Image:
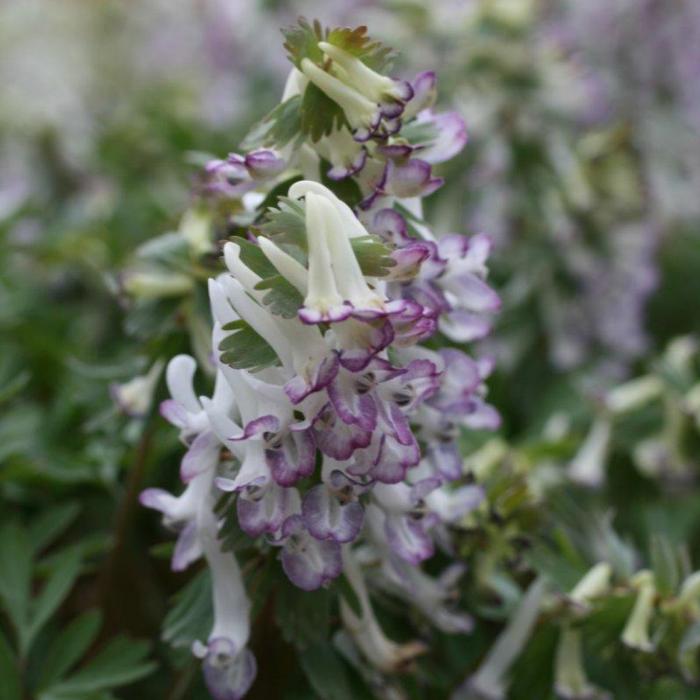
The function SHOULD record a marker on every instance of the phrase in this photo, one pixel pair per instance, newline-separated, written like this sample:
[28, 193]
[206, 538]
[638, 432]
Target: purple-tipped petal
[264, 164]
[402, 90]
[473, 293]
[392, 126]
[464, 326]
[336, 438]
[408, 538]
[308, 562]
[258, 427]
[377, 337]
[391, 226]
[445, 458]
[419, 381]
[298, 388]
[336, 314]
[264, 514]
[483, 417]
[175, 413]
[396, 151]
[328, 518]
[228, 674]
[393, 460]
[408, 261]
[187, 548]
[352, 405]
[411, 179]
[450, 138]
[202, 455]
[424, 91]
[340, 172]
[158, 499]
[453, 246]
[292, 457]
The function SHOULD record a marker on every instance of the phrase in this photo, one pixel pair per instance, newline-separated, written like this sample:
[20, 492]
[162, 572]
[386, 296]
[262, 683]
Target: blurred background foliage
[583, 164]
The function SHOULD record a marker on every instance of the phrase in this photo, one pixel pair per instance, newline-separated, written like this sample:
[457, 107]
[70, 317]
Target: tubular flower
[330, 429]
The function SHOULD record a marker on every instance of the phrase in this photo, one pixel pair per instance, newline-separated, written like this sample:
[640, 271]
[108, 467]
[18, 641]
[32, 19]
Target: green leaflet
[281, 126]
[191, 615]
[374, 257]
[283, 299]
[121, 662]
[326, 672]
[286, 224]
[245, 349]
[301, 41]
[10, 682]
[254, 258]
[320, 116]
[356, 42]
[303, 617]
[69, 646]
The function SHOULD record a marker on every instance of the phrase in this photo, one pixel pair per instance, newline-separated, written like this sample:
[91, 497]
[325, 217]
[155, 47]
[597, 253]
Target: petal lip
[200, 456]
[297, 388]
[257, 427]
[231, 678]
[326, 518]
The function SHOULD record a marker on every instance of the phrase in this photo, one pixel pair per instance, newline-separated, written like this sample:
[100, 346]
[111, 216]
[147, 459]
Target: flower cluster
[334, 429]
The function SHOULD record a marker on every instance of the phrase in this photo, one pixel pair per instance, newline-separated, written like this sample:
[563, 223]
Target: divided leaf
[374, 257]
[301, 41]
[286, 223]
[192, 614]
[121, 662]
[69, 646]
[319, 114]
[243, 348]
[356, 42]
[283, 299]
[280, 127]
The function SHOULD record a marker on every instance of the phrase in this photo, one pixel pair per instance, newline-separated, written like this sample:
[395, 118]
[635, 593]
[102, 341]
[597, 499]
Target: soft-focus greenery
[107, 110]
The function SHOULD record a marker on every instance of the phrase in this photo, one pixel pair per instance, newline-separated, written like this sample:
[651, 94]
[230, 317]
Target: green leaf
[51, 524]
[245, 349]
[10, 681]
[301, 41]
[15, 574]
[56, 588]
[283, 299]
[664, 564]
[13, 386]
[119, 663]
[278, 128]
[253, 256]
[192, 614]
[373, 255]
[320, 115]
[356, 42]
[326, 672]
[286, 223]
[303, 617]
[69, 646]
[277, 192]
